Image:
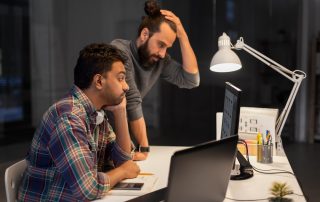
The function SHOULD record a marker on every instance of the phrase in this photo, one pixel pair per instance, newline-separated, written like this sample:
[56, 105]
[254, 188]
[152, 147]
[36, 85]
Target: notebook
[199, 173]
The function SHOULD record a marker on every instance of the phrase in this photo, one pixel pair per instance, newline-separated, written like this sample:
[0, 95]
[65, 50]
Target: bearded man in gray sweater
[149, 61]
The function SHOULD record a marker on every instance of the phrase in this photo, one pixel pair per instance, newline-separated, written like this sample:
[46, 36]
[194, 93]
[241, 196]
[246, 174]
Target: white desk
[257, 187]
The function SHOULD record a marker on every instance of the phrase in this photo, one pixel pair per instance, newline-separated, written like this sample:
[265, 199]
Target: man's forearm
[128, 169]
[122, 131]
[138, 128]
[115, 176]
[189, 60]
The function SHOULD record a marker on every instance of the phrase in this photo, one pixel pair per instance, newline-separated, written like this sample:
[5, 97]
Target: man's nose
[162, 53]
[125, 87]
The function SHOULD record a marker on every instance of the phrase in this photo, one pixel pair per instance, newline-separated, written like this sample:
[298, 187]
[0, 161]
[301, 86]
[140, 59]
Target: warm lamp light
[226, 60]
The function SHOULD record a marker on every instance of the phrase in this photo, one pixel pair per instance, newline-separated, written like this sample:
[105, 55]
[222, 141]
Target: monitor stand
[246, 170]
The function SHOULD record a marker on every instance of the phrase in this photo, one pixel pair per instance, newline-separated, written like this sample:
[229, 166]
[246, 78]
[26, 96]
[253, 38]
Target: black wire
[262, 170]
[262, 199]
[280, 172]
[271, 169]
[298, 194]
[247, 150]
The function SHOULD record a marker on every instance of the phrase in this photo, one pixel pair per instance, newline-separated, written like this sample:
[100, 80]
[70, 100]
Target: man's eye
[121, 78]
[161, 45]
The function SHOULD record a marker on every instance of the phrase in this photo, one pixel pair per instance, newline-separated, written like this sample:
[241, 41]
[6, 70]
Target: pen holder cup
[264, 153]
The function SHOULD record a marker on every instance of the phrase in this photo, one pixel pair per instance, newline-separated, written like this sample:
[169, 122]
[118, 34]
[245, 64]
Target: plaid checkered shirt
[69, 153]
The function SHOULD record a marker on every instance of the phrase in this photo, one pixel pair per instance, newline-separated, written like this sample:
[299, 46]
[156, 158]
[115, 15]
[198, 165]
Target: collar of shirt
[86, 103]
[134, 50]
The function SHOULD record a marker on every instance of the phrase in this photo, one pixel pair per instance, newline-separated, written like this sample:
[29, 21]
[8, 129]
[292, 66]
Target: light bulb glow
[225, 67]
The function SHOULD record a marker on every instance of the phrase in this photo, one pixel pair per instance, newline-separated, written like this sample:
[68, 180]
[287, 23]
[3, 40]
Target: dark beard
[144, 56]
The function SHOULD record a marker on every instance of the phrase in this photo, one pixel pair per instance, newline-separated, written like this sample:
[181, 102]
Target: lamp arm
[295, 76]
[285, 112]
[291, 75]
[280, 69]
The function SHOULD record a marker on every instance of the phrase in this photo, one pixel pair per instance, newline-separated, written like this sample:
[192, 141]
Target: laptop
[199, 173]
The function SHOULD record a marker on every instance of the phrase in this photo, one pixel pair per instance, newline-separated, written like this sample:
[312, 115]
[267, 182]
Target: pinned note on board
[253, 120]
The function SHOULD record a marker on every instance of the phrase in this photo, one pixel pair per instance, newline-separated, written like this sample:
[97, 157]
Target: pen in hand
[146, 174]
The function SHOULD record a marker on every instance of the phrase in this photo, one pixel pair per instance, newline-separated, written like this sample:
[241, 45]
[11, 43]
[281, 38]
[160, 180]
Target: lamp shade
[225, 60]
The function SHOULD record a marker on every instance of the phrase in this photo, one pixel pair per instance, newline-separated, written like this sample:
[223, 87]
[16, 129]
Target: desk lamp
[225, 60]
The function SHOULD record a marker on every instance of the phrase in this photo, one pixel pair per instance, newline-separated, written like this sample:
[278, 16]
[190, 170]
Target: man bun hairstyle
[96, 58]
[154, 18]
[152, 8]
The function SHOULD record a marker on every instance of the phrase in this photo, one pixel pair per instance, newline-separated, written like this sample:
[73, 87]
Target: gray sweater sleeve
[174, 73]
[134, 99]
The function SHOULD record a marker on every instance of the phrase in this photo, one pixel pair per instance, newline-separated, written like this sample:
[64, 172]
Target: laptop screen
[231, 111]
[201, 173]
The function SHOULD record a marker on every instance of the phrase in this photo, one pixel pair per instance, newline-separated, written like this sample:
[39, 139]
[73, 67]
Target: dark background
[40, 41]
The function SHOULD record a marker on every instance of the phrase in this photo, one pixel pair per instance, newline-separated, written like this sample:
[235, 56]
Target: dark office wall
[60, 28]
[190, 116]
[15, 99]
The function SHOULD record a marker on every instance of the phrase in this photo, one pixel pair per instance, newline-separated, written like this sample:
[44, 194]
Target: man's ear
[144, 34]
[97, 81]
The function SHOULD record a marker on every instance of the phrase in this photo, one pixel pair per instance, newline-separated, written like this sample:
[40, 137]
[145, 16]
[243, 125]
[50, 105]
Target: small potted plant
[279, 191]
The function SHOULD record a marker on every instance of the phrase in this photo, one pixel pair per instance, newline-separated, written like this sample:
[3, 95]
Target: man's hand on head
[172, 17]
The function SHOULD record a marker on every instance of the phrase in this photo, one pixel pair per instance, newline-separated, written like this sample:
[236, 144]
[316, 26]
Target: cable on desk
[271, 169]
[261, 199]
[298, 194]
[242, 141]
[279, 171]
[261, 170]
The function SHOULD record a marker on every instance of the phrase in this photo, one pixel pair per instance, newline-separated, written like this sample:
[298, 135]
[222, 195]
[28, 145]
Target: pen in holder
[264, 153]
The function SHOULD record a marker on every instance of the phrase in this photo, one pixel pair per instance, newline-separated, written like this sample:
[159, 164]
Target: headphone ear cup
[99, 117]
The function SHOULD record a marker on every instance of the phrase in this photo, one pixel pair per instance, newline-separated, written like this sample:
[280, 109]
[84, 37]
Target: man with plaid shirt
[75, 155]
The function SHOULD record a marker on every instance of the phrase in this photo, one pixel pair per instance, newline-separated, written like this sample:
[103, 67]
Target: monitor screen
[231, 111]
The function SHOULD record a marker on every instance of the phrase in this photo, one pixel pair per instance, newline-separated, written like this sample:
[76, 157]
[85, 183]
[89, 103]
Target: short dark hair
[154, 18]
[96, 58]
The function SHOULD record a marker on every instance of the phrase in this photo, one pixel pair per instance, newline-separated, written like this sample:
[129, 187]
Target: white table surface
[257, 187]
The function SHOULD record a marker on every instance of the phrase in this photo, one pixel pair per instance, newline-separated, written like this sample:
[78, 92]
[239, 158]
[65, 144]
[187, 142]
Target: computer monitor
[231, 111]
[230, 124]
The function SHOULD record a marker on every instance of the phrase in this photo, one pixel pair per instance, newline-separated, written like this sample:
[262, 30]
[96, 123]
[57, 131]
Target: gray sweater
[141, 79]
